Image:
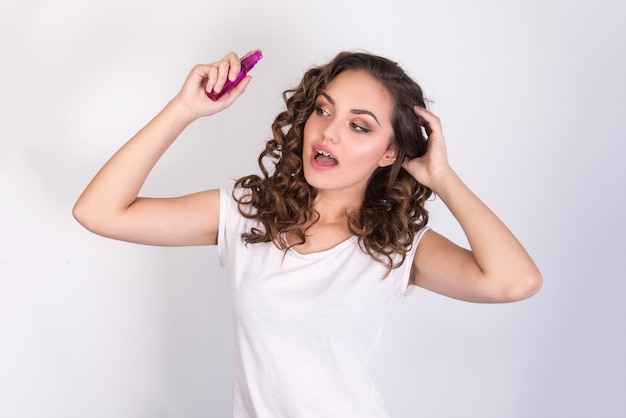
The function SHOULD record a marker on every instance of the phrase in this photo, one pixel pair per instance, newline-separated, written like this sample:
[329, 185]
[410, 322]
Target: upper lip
[323, 150]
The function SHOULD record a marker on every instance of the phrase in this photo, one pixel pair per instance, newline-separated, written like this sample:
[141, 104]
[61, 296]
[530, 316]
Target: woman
[319, 245]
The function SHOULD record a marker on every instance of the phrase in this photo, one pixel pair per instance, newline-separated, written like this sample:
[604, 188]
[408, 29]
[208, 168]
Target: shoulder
[237, 201]
[237, 215]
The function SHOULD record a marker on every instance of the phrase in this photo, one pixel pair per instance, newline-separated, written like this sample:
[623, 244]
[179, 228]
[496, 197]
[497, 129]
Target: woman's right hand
[111, 206]
[204, 78]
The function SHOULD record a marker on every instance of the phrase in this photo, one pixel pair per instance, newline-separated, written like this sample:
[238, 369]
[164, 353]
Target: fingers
[228, 98]
[430, 121]
[434, 132]
[195, 95]
[219, 72]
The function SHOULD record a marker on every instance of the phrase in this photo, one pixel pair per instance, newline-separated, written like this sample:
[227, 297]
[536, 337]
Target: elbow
[525, 286]
[97, 218]
[80, 214]
[84, 215]
[537, 283]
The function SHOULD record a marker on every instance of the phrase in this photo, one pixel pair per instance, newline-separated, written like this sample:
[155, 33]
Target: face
[348, 136]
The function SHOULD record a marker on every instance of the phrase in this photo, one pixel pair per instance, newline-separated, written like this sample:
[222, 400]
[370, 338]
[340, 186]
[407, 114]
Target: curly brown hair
[393, 210]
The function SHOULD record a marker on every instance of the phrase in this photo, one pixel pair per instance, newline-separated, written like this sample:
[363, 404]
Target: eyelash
[359, 128]
[320, 111]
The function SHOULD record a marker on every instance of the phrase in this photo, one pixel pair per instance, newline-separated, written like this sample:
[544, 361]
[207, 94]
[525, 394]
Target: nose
[331, 132]
[328, 137]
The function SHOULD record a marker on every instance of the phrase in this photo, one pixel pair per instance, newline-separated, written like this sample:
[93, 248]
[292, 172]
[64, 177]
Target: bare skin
[496, 268]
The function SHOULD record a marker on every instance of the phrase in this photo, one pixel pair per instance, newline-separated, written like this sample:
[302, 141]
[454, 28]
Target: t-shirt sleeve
[226, 203]
[406, 289]
[232, 224]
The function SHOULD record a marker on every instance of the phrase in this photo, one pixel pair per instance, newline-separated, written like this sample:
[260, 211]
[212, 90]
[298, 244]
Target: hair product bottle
[246, 65]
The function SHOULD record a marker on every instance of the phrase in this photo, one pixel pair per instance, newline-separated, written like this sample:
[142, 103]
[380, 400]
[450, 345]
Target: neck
[335, 206]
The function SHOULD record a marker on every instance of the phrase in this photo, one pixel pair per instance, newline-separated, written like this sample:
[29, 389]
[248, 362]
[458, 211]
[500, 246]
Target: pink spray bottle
[246, 65]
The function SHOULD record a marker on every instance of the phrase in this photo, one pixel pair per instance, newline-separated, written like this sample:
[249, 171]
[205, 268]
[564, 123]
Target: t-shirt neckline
[340, 246]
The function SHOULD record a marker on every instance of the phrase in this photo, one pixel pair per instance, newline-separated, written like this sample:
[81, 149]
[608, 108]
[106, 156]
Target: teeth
[322, 152]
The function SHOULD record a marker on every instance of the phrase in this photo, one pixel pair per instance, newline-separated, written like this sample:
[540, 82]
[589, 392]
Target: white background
[532, 96]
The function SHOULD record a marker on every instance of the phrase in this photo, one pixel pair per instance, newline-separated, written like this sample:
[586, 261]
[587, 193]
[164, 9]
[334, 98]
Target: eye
[320, 111]
[359, 128]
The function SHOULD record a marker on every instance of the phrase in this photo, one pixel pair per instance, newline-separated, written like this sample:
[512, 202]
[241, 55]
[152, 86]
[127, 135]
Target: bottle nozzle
[250, 61]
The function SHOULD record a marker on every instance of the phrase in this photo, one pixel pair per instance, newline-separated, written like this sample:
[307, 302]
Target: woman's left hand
[497, 268]
[433, 165]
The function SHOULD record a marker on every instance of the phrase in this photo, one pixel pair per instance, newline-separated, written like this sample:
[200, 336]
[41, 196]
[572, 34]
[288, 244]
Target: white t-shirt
[306, 325]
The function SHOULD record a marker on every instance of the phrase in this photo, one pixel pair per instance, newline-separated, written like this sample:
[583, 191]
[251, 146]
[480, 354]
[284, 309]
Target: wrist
[441, 181]
[180, 112]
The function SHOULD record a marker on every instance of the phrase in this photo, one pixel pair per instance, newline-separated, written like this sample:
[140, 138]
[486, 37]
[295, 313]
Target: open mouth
[323, 158]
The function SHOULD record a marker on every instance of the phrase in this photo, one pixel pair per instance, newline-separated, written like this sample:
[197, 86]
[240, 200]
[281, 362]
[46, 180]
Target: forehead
[359, 90]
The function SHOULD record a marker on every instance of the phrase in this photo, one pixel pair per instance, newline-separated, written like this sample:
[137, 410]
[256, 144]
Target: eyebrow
[355, 111]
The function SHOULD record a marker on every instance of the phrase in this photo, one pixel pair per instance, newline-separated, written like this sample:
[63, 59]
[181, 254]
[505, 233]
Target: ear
[389, 158]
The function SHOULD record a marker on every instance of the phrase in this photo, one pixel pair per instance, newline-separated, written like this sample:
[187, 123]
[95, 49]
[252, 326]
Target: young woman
[333, 230]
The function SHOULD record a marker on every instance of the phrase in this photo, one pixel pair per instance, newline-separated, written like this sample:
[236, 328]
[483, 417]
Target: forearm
[116, 186]
[497, 252]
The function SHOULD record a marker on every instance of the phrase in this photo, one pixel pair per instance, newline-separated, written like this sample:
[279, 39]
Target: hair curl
[393, 210]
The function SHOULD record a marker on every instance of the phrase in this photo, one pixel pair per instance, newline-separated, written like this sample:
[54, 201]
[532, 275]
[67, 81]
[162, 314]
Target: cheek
[370, 151]
[309, 128]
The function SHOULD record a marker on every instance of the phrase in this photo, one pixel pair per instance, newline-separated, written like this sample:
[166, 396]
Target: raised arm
[110, 205]
[496, 268]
